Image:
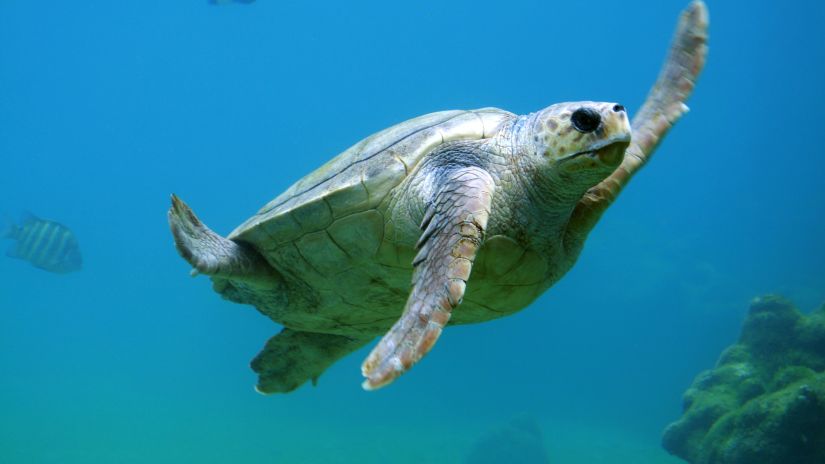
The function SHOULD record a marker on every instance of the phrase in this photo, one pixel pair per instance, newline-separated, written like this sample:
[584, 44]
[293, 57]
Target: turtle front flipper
[292, 357]
[453, 229]
[211, 254]
[664, 105]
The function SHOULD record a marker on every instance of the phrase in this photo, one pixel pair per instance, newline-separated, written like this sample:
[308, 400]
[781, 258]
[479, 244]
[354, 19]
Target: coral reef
[764, 402]
[518, 442]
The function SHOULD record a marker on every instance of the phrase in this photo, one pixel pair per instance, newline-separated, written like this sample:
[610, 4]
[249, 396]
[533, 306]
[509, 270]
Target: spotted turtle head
[581, 136]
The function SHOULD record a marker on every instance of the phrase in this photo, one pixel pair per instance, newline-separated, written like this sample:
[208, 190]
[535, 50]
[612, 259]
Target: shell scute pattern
[507, 252]
[341, 252]
[357, 180]
[351, 161]
[350, 199]
[313, 215]
[322, 253]
[290, 253]
[359, 234]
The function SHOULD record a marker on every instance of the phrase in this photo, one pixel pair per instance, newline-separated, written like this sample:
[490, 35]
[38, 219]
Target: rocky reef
[764, 402]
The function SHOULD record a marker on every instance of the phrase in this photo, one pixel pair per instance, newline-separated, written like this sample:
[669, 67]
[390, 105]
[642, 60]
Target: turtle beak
[613, 154]
[609, 152]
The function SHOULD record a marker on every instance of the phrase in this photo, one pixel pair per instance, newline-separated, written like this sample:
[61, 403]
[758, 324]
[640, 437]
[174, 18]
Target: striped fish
[47, 245]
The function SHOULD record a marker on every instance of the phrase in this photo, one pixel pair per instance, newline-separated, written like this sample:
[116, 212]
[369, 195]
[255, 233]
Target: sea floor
[565, 445]
[84, 440]
[592, 445]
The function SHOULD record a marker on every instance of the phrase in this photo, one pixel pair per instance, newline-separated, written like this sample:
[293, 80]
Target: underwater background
[108, 107]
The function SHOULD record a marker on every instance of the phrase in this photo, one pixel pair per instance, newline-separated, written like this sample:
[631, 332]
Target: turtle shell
[359, 179]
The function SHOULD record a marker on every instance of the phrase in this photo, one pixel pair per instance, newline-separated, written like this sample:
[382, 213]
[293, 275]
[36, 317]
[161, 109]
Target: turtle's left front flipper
[453, 229]
[664, 105]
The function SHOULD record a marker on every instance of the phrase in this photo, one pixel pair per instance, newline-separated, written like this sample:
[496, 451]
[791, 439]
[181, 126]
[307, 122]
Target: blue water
[108, 107]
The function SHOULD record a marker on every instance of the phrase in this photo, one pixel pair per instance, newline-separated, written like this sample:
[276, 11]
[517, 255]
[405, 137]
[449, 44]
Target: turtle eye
[585, 120]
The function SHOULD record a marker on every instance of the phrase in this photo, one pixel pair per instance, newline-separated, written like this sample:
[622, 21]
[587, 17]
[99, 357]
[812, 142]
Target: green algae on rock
[764, 402]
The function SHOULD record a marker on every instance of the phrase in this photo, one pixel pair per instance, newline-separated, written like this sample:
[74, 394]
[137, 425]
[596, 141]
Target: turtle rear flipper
[211, 254]
[292, 357]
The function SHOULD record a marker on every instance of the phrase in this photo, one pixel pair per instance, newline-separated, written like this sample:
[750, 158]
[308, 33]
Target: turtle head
[580, 136]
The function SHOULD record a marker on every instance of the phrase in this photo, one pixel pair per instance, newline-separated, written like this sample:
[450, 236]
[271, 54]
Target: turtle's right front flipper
[211, 254]
[452, 232]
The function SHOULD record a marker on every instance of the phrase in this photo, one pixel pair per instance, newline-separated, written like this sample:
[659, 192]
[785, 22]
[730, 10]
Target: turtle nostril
[585, 120]
[618, 108]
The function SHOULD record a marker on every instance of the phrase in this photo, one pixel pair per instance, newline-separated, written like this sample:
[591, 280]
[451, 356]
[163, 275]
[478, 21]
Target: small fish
[226, 2]
[47, 245]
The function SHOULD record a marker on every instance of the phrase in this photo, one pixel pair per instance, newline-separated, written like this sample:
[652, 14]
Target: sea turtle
[510, 198]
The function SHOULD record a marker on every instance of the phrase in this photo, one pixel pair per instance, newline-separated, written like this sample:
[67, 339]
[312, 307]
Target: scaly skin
[539, 184]
[213, 255]
[527, 179]
[664, 105]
